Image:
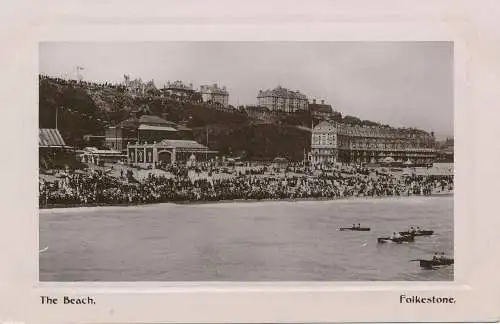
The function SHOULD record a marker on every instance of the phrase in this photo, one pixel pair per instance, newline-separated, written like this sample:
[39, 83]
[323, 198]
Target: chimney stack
[322, 102]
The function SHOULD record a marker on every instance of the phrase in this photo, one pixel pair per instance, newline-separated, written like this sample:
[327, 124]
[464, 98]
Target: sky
[403, 84]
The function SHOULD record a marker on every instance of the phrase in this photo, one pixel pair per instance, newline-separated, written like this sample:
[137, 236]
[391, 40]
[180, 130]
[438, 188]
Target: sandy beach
[63, 208]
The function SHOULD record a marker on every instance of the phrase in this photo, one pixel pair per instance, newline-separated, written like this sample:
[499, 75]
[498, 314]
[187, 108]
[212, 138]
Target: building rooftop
[150, 122]
[50, 137]
[214, 89]
[157, 128]
[189, 144]
[95, 150]
[282, 93]
[179, 85]
[366, 131]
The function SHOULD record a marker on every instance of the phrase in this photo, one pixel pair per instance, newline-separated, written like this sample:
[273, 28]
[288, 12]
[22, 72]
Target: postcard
[249, 172]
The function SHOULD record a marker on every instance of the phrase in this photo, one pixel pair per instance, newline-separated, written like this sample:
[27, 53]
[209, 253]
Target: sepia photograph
[248, 161]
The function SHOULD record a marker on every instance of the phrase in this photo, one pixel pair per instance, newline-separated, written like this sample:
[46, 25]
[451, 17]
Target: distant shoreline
[89, 207]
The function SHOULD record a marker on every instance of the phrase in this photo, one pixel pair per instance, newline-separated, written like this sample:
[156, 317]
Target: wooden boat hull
[361, 229]
[396, 240]
[420, 233]
[433, 263]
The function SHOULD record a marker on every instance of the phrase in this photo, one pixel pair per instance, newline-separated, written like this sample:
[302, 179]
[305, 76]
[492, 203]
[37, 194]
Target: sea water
[245, 241]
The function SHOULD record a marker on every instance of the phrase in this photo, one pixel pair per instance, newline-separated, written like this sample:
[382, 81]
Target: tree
[369, 123]
[351, 120]
[337, 116]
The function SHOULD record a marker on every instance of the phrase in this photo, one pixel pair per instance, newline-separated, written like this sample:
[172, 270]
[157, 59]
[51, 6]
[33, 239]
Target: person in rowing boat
[395, 235]
[412, 230]
[353, 225]
[442, 257]
[418, 230]
[435, 257]
[359, 225]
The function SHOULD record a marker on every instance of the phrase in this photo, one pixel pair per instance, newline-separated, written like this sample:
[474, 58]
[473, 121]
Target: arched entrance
[165, 156]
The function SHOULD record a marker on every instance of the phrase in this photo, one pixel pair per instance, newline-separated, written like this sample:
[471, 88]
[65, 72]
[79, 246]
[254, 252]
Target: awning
[182, 144]
[102, 152]
[49, 137]
[157, 128]
[388, 160]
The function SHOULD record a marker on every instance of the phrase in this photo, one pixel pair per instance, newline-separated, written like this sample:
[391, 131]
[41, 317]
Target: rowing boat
[428, 264]
[418, 233]
[354, 229]
[402, 239]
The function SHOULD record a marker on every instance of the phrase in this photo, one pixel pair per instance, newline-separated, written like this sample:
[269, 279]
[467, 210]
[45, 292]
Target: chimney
[322, 102]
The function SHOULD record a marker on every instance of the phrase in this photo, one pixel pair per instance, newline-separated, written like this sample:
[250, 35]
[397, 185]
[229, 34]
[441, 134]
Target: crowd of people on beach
[96, 187]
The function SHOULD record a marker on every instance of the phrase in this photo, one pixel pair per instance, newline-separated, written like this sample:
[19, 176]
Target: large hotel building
[336, 142]
[282, 100]
[179, 90]
[215, 95]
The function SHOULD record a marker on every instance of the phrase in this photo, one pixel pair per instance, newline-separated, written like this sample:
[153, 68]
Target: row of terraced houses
[334, 142]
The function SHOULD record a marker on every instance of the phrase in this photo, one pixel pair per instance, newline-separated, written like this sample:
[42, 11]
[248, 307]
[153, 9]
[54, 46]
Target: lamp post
[206, 152]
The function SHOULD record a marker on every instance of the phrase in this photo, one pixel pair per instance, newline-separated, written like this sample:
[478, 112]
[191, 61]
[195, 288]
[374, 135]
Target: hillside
[256, 142]
[88, 108]
[71, 107]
